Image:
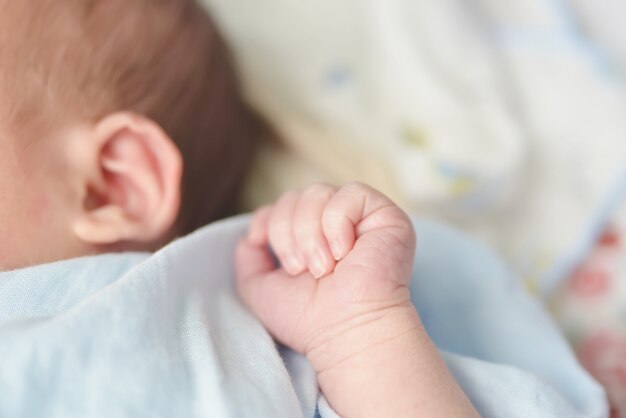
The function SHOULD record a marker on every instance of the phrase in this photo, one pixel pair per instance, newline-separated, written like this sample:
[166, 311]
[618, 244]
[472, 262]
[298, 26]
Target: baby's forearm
[388, 366]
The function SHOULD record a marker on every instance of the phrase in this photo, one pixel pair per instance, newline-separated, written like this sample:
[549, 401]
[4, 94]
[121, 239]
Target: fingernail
[317, 266]
[294, 264]
[335, 248]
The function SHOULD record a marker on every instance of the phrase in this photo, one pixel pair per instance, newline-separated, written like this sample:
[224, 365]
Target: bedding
[165, 335]
[501, 118]
[507, 119]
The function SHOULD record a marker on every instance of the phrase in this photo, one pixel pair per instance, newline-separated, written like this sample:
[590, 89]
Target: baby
[102, 101]
[121, 128]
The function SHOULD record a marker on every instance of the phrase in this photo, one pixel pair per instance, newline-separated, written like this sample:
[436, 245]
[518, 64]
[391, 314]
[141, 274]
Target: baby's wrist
[370, 332]
[388, 367]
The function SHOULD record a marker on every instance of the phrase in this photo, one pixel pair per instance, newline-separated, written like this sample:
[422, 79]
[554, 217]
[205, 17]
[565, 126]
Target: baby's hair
[79, 60]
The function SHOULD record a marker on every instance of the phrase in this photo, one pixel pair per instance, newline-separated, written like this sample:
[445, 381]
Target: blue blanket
[164, 335]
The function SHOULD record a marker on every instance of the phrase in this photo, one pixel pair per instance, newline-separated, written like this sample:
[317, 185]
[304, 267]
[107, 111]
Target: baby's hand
[340, 296]
[345, 260]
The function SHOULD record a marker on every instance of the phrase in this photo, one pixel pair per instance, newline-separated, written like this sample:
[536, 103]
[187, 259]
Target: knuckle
[355, 190]
[356, 186]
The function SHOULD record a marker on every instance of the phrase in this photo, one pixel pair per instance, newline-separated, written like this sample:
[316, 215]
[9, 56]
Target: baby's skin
[340, 296]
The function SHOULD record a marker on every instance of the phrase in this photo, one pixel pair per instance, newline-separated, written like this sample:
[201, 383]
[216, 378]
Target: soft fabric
[507, 118]
[165, 335]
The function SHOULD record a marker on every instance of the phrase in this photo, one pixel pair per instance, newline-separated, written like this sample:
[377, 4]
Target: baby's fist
[345, 258]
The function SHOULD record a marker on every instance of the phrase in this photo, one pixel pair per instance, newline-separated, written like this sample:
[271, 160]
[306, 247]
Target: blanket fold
[165, 335]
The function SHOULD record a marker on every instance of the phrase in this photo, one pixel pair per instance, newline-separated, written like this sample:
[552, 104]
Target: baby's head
[101, 102]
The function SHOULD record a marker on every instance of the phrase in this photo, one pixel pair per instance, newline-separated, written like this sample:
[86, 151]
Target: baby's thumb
[251, 262]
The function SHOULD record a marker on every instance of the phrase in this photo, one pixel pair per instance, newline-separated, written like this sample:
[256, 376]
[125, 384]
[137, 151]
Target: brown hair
[82, 59]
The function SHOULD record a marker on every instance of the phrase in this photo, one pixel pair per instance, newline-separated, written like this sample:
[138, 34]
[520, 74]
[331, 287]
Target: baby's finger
[257, 232]
[349, 206]
[252, 261]
[308, 230]
[281, 236]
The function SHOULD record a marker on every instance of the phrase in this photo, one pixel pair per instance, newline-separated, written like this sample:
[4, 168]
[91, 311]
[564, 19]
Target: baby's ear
[134, 195]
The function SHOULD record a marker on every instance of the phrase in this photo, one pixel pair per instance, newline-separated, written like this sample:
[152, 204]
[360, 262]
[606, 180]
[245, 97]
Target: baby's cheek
[28, 226]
